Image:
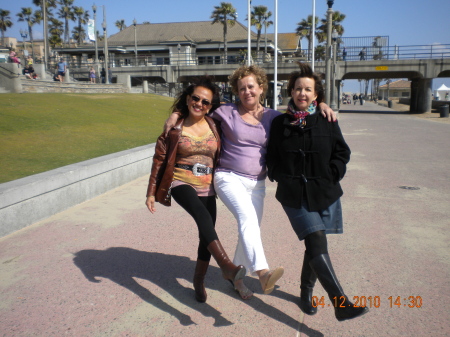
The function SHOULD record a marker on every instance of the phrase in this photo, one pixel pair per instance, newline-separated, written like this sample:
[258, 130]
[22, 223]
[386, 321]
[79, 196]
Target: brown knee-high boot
[199, 277]
[229, 270]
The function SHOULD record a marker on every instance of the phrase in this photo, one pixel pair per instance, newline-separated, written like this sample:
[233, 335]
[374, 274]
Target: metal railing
[352, 54]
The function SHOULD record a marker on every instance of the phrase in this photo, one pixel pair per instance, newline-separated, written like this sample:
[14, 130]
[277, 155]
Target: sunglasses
[197, 99]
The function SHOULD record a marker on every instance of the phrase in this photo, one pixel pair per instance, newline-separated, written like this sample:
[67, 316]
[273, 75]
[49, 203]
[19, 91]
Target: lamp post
[105, 36]
[135, 44]
[328, 52]
[45, 24]
[94, 9]
[333, 104]
[24, 35]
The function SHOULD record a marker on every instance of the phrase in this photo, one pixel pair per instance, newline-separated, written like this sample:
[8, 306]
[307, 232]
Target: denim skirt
[305, 222]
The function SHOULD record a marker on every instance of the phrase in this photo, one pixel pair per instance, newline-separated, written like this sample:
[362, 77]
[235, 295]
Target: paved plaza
[108, 267]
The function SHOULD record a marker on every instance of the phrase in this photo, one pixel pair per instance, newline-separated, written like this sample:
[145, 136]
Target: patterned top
[192, 150]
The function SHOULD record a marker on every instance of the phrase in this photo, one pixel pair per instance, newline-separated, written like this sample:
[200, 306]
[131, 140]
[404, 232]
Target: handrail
[18, 74]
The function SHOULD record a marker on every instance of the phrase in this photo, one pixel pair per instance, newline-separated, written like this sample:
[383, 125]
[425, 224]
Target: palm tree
[82, 17]
[319, 53]
[121, 24]
[27, 15]
[5, 23]
[336, 19]
[55, 29]
[226, 15]
[304, 29]
[259, 17]
[66, 12]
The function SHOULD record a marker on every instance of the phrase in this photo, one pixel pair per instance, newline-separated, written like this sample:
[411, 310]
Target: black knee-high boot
[307, 281]
[321, 264]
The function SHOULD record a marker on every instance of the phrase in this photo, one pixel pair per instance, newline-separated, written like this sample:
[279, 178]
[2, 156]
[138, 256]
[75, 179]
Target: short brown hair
[244, 71]
[306, 71]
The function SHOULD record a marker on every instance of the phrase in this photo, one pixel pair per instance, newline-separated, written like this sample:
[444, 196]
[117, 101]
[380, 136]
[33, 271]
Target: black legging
[316, 244]
[204, 211]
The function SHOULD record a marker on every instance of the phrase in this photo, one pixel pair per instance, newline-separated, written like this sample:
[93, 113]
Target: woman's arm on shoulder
[327, 112]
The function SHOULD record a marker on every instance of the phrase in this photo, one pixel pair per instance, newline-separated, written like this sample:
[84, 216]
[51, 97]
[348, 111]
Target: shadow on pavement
[121, 265]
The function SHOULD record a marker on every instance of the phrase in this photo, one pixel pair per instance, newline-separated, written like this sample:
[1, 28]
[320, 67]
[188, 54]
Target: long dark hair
[306, 71]
[205, 81]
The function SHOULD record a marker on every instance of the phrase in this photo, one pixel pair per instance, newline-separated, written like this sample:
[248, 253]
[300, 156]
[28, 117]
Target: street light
[24, 35]
[328, 52]
[105, 36]
[334, 37]
[94, 9]
[135, 43]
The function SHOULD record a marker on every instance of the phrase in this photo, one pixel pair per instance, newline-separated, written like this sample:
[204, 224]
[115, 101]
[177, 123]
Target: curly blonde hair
[244, 71]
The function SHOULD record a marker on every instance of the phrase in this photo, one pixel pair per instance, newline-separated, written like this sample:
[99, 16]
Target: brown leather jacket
[161, 175]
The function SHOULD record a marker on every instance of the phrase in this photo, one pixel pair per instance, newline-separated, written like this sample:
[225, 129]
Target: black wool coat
[308, 162]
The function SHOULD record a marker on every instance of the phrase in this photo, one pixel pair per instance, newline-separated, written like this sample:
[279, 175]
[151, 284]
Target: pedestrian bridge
[421, 72]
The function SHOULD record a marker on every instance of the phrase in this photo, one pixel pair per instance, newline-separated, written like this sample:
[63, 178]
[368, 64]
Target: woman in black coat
[307, 156]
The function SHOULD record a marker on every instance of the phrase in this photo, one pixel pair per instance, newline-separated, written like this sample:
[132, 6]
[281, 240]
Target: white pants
[245, 199]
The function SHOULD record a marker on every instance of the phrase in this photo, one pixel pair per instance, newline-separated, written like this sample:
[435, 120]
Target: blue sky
[406, 22]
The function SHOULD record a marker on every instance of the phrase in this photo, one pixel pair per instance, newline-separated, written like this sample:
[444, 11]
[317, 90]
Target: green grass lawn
[41, 132]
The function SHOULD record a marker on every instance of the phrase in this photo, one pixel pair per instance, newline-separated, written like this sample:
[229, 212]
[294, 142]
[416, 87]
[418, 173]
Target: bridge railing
[436, 51]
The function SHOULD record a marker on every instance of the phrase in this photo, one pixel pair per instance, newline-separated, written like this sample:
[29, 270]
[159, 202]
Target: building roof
[286, 41]
[400, 84]
[179, 32]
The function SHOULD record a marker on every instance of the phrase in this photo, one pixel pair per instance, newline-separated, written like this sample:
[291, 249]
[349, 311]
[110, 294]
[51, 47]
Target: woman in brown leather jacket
[183, 166]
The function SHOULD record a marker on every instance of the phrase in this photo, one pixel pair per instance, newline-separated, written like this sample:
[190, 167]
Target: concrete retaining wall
[34, 198]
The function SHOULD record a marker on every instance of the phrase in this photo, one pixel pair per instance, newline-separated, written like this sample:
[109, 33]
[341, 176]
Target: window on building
[405, 94]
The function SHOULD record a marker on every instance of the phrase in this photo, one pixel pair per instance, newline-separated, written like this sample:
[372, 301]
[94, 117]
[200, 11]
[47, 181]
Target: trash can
[443, 110]
[390, 104]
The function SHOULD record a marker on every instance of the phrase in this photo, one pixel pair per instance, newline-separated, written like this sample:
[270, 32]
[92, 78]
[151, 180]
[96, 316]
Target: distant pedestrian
[344, 54]
[110, 75]
[355, 99]
[92, 75]
[361, 99]
[362, 54]
[446, 96]
[103, 75]
[62, 68]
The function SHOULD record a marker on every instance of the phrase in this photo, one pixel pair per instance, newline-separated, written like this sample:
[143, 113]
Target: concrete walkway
[108, 267]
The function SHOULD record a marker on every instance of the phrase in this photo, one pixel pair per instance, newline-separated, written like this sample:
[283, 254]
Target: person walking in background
[362, 54]
[61, 68]
[92, 75]
[446, 96]
[344, 54]
[110, 75]
[355, 99]
[307, 157]
[361, 99]
[103, 75]
[183, 167]
[240, 176]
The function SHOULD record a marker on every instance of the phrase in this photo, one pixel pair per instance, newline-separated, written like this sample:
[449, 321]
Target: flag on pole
[91, 30]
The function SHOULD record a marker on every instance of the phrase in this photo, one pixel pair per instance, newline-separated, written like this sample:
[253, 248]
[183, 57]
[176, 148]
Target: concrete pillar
[414, 94]
[424, 98]
[420, 95]
[145, 87]
[67, 77]
[39, 69]
[124, 79]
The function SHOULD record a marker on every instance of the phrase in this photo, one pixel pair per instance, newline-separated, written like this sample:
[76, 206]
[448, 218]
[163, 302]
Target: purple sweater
[244, 145]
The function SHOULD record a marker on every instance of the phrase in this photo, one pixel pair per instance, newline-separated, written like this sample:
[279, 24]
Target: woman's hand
[170, 122]
[150, 202]
[327, 112]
